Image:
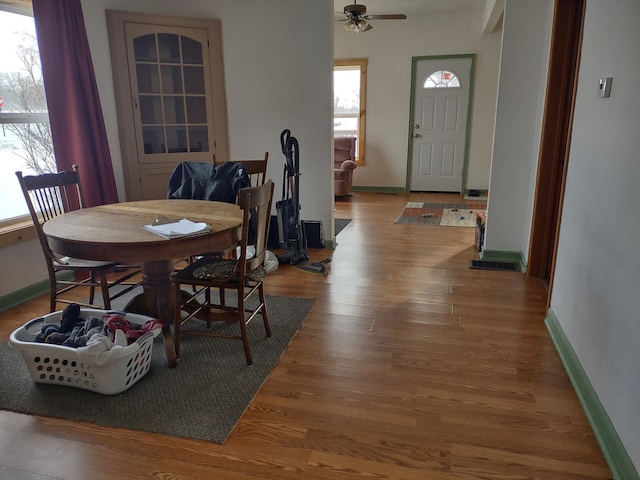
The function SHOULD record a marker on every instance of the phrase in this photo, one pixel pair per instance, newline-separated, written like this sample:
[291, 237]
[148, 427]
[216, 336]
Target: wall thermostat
[604, 87]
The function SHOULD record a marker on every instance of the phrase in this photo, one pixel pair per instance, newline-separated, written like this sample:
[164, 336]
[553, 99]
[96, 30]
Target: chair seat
[213, 269]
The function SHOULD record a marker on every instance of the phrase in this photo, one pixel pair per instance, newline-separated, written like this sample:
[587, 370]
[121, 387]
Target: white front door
[442, 87]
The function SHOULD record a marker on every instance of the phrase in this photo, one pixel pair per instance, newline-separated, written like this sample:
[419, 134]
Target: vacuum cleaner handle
[284, 140]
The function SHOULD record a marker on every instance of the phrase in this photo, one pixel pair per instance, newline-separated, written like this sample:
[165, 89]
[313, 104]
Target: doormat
[493, 265]
[445, 214]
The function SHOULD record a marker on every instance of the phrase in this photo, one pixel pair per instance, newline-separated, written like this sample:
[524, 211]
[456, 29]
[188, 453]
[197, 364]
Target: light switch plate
[604, 87]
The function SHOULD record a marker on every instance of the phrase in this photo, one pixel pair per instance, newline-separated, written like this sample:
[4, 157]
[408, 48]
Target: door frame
[555, 141]
[414, 63]
[116, 21]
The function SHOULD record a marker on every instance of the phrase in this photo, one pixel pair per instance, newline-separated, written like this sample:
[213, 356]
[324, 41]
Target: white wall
[278, 74]
[523, 77]
[389, 48]
[23, 265]
[595, 291]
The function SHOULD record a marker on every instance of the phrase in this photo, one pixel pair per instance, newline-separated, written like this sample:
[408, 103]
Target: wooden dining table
[116, 232]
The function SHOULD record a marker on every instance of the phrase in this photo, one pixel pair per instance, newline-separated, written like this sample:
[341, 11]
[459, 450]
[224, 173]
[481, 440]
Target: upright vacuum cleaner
[290, 232]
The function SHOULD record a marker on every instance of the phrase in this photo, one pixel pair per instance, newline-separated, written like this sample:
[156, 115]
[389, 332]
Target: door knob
[416, 135]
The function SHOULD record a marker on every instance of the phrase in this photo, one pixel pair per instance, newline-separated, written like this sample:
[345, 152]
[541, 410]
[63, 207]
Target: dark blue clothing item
[206, 181]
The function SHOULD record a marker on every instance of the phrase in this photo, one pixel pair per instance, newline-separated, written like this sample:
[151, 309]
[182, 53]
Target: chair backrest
[344, 148]
[255, 203]
[49, 195]
[257, 169]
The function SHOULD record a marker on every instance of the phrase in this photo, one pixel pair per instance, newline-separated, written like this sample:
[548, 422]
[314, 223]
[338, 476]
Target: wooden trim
[612, 447]
[12, 233]
[362, 120]
[562, 77]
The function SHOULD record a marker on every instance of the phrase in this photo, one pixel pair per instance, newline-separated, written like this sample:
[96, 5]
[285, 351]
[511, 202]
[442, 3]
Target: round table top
[116, 231]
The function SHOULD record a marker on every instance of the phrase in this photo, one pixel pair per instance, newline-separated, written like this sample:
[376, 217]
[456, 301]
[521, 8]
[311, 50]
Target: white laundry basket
[57, 364]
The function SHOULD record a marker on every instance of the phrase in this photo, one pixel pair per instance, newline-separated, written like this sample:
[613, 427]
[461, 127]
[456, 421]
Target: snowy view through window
[22, 102]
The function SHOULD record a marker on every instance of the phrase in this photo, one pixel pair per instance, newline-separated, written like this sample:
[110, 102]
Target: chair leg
[92, 289]
[104, 285]
[263, 310]
[177, 320]
[207, 310]
[53, 292]
[243, 328]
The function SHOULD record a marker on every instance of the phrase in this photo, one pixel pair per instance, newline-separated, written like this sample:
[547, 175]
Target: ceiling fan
[357, 19]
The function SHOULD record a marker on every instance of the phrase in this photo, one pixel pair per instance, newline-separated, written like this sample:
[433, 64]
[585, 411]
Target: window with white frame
[25, 137]
[349, 101]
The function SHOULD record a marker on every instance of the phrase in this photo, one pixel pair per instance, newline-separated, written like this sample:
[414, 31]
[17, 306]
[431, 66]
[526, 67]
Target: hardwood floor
[410, 366]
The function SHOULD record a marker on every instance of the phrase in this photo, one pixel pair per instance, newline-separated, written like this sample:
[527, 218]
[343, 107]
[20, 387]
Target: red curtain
[75, 114]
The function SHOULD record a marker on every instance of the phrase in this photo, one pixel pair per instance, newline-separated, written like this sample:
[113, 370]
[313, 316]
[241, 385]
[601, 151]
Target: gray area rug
[341, 223]
[203, 398]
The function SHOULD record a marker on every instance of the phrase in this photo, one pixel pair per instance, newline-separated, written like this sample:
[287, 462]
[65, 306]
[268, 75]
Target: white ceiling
[409, 7]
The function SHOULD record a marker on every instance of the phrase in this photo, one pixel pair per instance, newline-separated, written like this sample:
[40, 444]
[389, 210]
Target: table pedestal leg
[160, 298]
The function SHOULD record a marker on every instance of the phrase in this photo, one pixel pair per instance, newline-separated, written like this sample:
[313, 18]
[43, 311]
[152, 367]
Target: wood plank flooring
[410, 366]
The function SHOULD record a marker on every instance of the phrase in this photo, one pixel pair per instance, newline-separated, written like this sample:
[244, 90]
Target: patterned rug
[447, 214]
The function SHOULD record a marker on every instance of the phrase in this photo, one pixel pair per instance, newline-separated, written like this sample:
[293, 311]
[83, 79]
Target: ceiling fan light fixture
[350, 26]
[363, 25]
[357, 19]
[357, 25]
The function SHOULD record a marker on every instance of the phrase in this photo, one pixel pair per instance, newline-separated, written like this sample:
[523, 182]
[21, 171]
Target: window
[442, 79]
[25, 137]
[349, 101]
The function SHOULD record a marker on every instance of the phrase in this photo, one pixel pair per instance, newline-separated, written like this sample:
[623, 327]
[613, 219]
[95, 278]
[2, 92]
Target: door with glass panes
[176, 107]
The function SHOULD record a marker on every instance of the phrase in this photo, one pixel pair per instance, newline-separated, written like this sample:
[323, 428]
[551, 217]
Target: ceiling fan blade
[396, 16]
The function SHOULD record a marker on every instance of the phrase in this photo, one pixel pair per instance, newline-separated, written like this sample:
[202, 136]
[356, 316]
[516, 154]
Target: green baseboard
[505, 256]
[613, 450]
[24, 295]
[29, 293]
[482, 193]
[379, 189]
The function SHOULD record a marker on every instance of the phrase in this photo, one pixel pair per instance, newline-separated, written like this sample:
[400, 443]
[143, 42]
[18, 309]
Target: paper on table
[178, 229]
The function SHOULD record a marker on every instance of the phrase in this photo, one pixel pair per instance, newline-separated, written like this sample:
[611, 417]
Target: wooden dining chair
[243, 275]
[257, 169]
[49, 195]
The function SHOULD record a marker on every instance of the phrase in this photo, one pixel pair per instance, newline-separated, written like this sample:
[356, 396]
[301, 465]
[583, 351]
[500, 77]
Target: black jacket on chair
[206, 181]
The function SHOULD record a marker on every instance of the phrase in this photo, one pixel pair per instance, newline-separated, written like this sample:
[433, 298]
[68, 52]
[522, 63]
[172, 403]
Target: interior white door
[169, 85]
[442, 88]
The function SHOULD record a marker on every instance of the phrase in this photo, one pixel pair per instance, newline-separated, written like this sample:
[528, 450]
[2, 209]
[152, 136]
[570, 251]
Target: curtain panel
[77, 124]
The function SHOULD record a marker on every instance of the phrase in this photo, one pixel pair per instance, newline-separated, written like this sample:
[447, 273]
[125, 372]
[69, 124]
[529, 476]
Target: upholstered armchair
[344, 151]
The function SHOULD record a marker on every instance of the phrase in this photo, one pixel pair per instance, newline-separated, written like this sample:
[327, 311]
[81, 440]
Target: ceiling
[407, 7]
